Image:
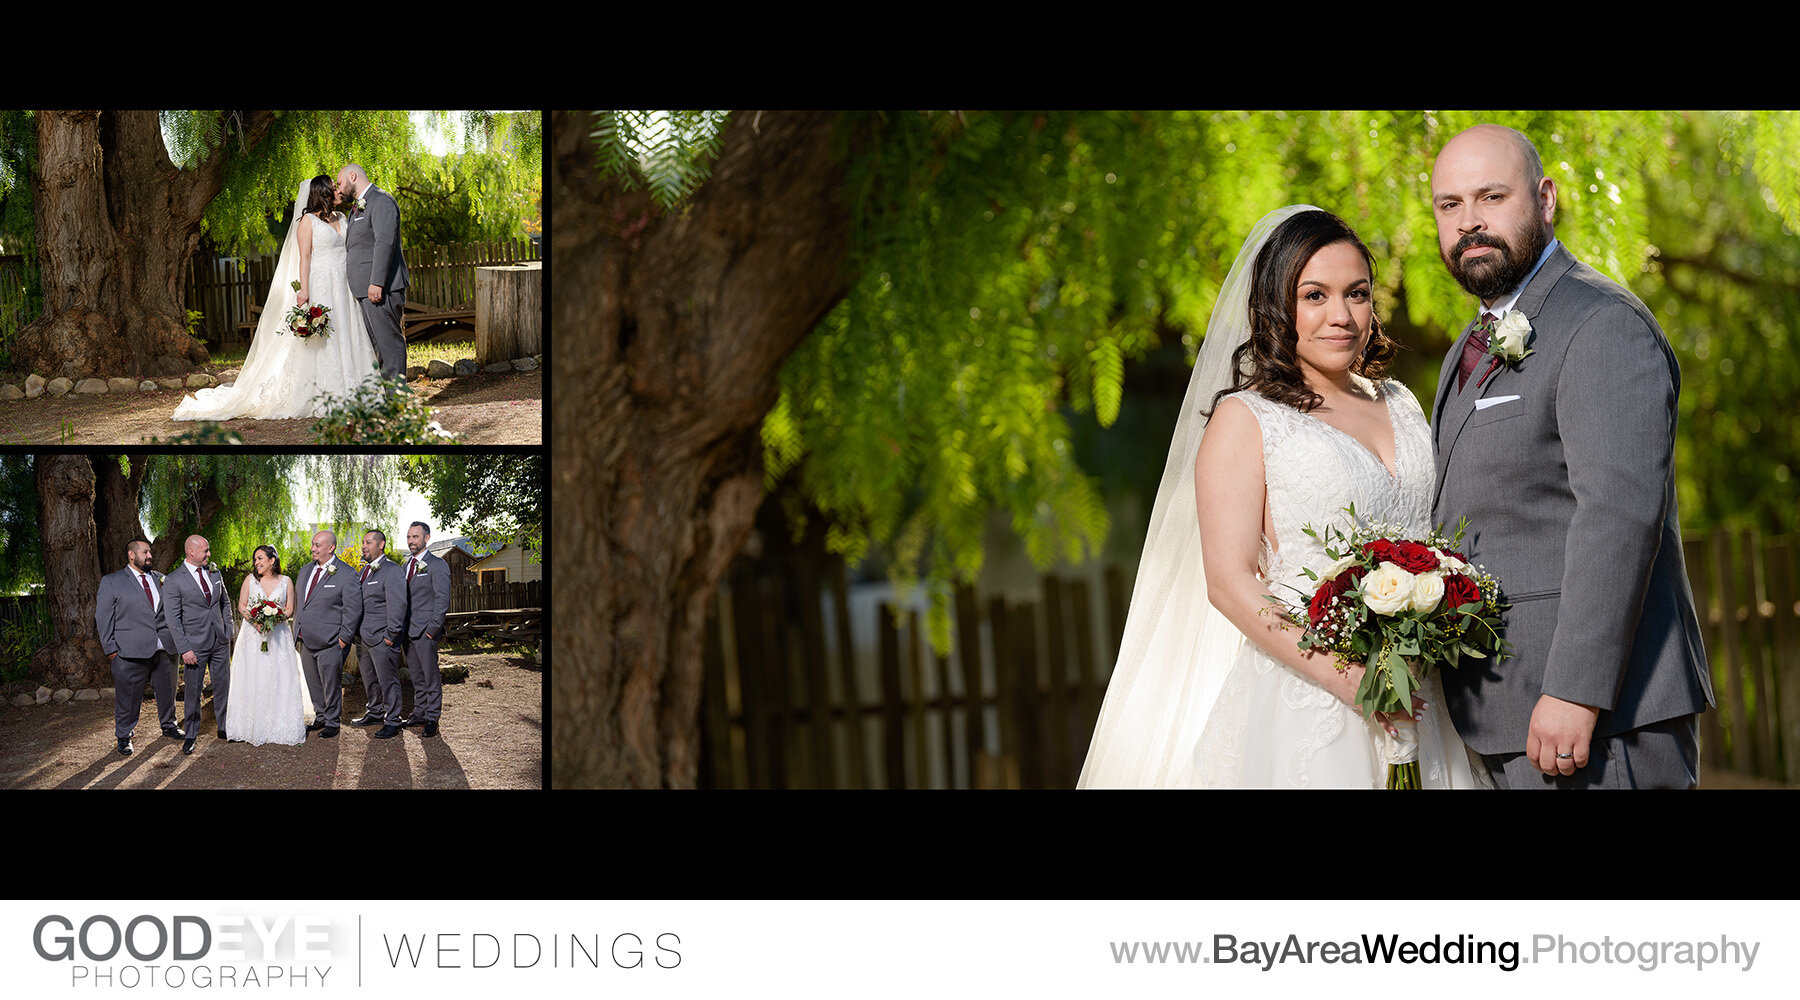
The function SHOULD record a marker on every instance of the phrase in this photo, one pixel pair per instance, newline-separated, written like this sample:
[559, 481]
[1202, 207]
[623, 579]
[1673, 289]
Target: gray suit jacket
[196, 623]
[332, 611]
[372, 245]
[384, 604]
[129, 625]
[428, 598]
[1569, 490]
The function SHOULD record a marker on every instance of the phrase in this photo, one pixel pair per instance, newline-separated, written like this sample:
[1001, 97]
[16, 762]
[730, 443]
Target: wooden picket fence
[480, 597]
[439, 276]
[787, 705]
[17, 306]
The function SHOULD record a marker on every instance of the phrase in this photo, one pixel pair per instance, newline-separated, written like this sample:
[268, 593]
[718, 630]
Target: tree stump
[509, 312]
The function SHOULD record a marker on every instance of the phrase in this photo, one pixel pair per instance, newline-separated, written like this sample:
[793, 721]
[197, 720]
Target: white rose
[1331, 571]
[1509, 335]
[1427, 591]
[1449, 563]
[1387, 590]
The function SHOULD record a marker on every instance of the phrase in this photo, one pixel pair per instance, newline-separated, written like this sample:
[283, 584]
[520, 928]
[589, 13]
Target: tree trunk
[116, 497]
[671, 330]
[116, 223]
[71, 574]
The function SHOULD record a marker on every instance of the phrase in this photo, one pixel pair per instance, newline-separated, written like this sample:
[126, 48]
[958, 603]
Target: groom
[1557, 443]
[377, 268]
[198, 613]
[325, 624]
[427, 604]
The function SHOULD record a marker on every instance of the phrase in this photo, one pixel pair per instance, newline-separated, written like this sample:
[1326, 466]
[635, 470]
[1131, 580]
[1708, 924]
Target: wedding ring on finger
[1565, 756]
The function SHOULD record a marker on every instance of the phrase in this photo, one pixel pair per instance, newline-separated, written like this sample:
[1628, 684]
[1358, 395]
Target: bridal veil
[1177, 649]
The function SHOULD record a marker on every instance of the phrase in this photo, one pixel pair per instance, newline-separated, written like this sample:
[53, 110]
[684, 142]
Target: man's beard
[1492, 275]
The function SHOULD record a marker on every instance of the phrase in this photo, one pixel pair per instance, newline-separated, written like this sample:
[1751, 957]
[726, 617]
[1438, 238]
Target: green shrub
[372, 416]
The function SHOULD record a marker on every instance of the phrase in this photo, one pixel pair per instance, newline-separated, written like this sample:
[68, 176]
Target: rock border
[36, 386]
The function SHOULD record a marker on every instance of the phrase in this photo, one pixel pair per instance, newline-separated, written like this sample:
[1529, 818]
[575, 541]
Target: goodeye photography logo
[174, 951]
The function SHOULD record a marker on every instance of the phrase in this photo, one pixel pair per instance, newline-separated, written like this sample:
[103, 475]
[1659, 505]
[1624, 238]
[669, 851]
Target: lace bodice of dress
[327, 248]
[279, 596]
[1313, 471]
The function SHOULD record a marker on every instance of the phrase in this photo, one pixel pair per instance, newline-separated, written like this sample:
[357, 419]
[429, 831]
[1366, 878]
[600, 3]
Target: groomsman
[326, 621]
[427, 603]
[198, 613]
[128, 611]
[383, 629]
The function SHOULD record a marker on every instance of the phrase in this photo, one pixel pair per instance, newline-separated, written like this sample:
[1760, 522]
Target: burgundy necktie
[1474, 349]
[147, 595]
[412, 565]
[364, 576]
[204, 589]
[318, 571]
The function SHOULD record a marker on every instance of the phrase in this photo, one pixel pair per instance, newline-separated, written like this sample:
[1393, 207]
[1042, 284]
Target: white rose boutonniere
[1507, 343]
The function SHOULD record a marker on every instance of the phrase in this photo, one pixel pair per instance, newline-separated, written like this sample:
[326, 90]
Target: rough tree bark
[116, 497]
[71, 574]
[116, 223]
[671, 329]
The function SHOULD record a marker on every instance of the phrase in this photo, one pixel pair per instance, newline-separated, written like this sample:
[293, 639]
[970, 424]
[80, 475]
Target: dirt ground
[505, 408]
[491, 736]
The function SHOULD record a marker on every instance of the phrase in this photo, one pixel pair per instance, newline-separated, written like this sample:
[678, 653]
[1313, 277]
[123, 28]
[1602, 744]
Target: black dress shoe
[387, 732]
[187, 746]
[221, 734]
[430, 729]
[125, 747]
[171, 732]
[315, 727]
[411, 720]
[367, 720]
[328, 732]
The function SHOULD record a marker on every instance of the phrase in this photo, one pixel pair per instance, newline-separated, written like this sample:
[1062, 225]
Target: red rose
[1330, 591]
[1381, 550]
[1460, 590]
[1414, 557]
[316, 312]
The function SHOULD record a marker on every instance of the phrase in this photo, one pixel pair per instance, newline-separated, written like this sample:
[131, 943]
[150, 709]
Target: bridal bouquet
[265, 615]
[307, 319]
[1402, 606]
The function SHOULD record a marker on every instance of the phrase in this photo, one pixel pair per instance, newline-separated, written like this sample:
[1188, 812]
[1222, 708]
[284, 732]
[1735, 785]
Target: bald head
[1497, 146]
[351, 181]
[324, 546]
[1494, 209]
[198, 550]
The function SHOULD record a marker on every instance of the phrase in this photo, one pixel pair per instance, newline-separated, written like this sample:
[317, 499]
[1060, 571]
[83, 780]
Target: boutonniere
[330, 568]
[1507, 343]
[212, 567]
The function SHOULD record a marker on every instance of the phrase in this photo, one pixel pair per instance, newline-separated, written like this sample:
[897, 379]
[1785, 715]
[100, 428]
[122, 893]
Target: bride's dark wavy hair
[322, 198]
[270, 549]
[1274, 366]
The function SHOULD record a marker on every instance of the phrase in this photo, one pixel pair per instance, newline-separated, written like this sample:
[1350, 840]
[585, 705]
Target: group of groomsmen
[147, 622]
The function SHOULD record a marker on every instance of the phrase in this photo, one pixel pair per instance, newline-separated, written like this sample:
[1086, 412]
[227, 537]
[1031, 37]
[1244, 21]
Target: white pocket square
[1482, 404]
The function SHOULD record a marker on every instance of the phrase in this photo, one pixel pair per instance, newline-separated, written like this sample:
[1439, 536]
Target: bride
[283, 375]
[267, 697]
[1211, 689]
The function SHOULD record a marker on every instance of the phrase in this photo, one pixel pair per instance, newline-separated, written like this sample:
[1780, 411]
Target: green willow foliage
[301, 144]
[1009, 264]
[492, 498]
[668, 152]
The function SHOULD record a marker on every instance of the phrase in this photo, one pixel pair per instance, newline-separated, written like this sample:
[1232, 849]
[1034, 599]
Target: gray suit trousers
[323, 670]
[385, 330]
[381, 678]
[428, 683]
[1661, 755]
[219, 659]
[129, 676]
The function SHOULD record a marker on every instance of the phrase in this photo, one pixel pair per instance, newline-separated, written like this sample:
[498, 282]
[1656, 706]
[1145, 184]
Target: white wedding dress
[1271, 727]
[268, 696]
[285, 376]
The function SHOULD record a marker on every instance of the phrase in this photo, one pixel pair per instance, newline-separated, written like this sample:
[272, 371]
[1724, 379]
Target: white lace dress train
[285, 376]
[1272, 727]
